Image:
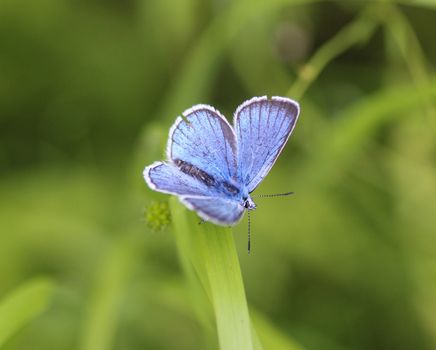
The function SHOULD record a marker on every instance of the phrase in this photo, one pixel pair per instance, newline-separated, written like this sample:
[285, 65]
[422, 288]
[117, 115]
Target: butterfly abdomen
[195, 172]
[204, 177]
[230, 188]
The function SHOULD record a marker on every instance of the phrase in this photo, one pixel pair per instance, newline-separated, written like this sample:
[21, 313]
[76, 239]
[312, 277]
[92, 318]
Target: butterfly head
[249, 204]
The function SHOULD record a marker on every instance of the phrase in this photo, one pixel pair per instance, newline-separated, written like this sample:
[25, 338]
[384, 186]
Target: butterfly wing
[206, 141]
[167, 178]
[220, 211]
[201, 151]
[263, 127]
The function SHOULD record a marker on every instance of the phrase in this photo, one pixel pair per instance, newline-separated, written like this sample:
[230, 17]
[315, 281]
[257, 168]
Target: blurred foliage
[88, 91]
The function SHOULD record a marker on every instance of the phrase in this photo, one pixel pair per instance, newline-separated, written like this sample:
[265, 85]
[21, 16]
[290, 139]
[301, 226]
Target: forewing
[263, 127]
[220, 211]
[205, 140]
[167, 178]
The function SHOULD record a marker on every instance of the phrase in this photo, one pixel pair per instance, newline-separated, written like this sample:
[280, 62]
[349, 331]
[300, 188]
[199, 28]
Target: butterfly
[213, 167]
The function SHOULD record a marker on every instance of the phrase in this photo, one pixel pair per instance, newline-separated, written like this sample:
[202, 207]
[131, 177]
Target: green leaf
[22, 305]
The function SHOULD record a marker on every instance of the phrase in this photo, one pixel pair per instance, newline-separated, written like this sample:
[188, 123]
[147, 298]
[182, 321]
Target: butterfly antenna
[273, 195]
[249, 235]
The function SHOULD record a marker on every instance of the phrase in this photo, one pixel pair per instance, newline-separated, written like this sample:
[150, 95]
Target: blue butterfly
[213, 167]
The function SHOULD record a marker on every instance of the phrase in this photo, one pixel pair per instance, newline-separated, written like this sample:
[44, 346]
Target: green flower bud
[157, 216]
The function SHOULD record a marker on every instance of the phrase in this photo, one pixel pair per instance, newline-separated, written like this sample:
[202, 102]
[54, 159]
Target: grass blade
[227, 288]
[213, 254]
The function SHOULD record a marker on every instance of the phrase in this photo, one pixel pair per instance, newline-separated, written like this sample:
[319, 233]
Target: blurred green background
[88, 91]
